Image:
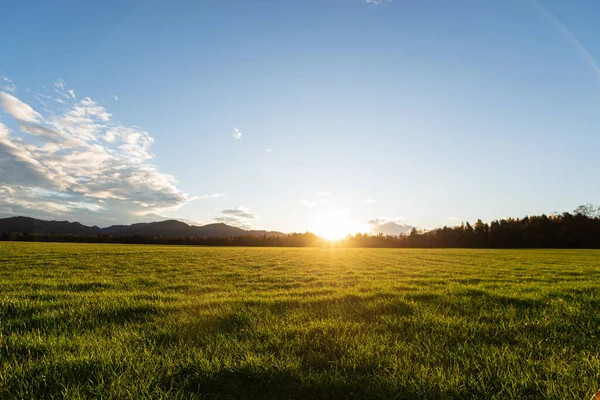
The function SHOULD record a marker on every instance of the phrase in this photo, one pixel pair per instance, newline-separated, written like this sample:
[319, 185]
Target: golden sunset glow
[334, 225]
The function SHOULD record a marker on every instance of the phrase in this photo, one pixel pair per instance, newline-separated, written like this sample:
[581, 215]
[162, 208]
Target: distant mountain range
[170, 228]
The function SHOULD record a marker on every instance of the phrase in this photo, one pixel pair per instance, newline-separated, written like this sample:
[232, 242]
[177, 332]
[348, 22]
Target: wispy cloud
[76, 163]
[60, 88]
[59, 85]
[388, 226]
[115, 97]
[237, 134]
[268, 150]
[237, 216]
[322, 194]
[369, 201]
[239, 212]
[7, 84]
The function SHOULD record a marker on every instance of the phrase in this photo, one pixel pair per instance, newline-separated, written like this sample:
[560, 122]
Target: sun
[335, 225]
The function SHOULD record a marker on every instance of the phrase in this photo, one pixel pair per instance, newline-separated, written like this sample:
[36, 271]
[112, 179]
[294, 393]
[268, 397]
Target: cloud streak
[377, 2]
[210, 196]
[239, 212]
[22, 112]
[569, 35]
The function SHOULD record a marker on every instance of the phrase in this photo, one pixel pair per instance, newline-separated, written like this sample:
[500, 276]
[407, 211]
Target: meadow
[117, 321]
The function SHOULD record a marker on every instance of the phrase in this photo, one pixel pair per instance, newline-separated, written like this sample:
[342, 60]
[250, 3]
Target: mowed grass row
[117, 321]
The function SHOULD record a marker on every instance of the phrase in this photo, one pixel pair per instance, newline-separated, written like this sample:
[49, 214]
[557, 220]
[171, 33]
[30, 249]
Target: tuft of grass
[115, 321]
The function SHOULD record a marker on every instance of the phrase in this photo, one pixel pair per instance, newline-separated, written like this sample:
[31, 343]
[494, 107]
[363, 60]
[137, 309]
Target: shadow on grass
[30, 319]
[463, 302]
[20, 352]
[48, 380]
[238, 318]
[484, 299]
[85, 287]
[248, 382]
[53, 288]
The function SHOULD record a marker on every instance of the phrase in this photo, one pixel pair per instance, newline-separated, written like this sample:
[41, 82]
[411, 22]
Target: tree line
[291, 240]
[579, 229]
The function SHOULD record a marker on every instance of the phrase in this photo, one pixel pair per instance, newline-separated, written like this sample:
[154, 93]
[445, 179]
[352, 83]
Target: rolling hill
[171, 228]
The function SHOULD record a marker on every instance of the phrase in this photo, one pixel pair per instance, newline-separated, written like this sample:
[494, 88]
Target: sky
[299, 115]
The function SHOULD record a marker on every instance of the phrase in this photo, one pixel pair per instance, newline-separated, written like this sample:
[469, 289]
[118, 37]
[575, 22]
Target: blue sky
[419, 112]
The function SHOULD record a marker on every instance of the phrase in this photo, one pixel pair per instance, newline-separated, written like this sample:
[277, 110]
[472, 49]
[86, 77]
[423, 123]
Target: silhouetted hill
[221, 230]
[170, 228]
[32, 225]
[164, 228]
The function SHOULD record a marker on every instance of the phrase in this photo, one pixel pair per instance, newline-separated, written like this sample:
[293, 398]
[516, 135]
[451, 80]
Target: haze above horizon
[332, 117]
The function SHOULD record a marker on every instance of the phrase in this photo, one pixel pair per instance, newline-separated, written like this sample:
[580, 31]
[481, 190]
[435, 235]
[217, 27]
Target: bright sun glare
[334, 225]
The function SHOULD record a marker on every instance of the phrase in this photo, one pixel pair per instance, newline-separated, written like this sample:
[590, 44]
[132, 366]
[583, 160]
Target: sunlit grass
[117, 321]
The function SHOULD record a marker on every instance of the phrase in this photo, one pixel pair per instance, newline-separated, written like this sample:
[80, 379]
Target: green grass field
[113, 321]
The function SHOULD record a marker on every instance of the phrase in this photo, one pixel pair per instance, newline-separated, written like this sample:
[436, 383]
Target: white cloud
[210, 196]
[388, 226]
[20, 111]
[369, 201]
[17, 165]
[7, 189]
[322, 194]
[102, 170]
[115, 97]
[268, 150]
[237, 134]
[377, 2]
